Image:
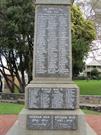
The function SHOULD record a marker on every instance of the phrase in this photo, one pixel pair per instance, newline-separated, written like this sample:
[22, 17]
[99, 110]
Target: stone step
[19, 127]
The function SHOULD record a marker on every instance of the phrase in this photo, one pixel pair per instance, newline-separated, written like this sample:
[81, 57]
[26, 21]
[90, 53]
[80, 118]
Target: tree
[83, 33]
[94, 74]
[89, 11]
[16, 41]
[1, 83]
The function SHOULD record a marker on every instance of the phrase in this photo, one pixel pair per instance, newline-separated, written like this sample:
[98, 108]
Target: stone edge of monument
[58, 2]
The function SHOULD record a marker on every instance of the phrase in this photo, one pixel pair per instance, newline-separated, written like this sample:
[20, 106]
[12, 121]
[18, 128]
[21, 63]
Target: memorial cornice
[54, 2]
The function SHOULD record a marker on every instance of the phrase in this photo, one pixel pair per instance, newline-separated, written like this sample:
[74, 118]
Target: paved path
[6, 121]
[95, 122]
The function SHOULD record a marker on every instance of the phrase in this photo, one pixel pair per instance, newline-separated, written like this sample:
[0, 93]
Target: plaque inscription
[65, 122]
[52, 55]
[36, 98]
[54, 122]
[52, 98]
[38, 122]
[58, 98]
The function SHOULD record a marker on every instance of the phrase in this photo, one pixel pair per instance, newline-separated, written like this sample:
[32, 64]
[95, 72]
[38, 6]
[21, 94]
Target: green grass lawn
[9, 108]
[89, 112]
[90, 87]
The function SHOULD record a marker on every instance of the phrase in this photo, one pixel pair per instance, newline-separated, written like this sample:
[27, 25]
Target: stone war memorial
[52, 99]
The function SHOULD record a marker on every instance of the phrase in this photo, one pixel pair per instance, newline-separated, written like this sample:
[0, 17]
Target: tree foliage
[94, 74]
[16, 40]
[83, 33]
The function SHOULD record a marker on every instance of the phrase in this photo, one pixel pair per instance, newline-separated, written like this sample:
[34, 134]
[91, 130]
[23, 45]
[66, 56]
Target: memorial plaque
[34, 98]
[52, 55]
[52, 98]
[71, 98]
[52, 122]
[45, 98]
[58, 98]
[38, 122]
[65, 122]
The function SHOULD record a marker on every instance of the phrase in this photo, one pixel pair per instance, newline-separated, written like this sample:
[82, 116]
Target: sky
[95, 52]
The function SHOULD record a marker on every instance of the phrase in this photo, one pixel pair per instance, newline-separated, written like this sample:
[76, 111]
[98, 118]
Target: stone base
[20, 128]
[15, 130]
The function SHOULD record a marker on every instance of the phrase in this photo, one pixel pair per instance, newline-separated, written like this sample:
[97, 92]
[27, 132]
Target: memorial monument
[52, 99]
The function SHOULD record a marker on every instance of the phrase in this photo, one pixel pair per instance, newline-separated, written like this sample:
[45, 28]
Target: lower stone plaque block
[52, 122]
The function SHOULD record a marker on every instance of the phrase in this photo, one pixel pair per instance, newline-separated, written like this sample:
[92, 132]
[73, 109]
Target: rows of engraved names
[52, 98]
[57, 122]
[52, 45]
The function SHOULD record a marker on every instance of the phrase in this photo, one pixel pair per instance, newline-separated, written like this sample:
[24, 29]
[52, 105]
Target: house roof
[94, 63]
